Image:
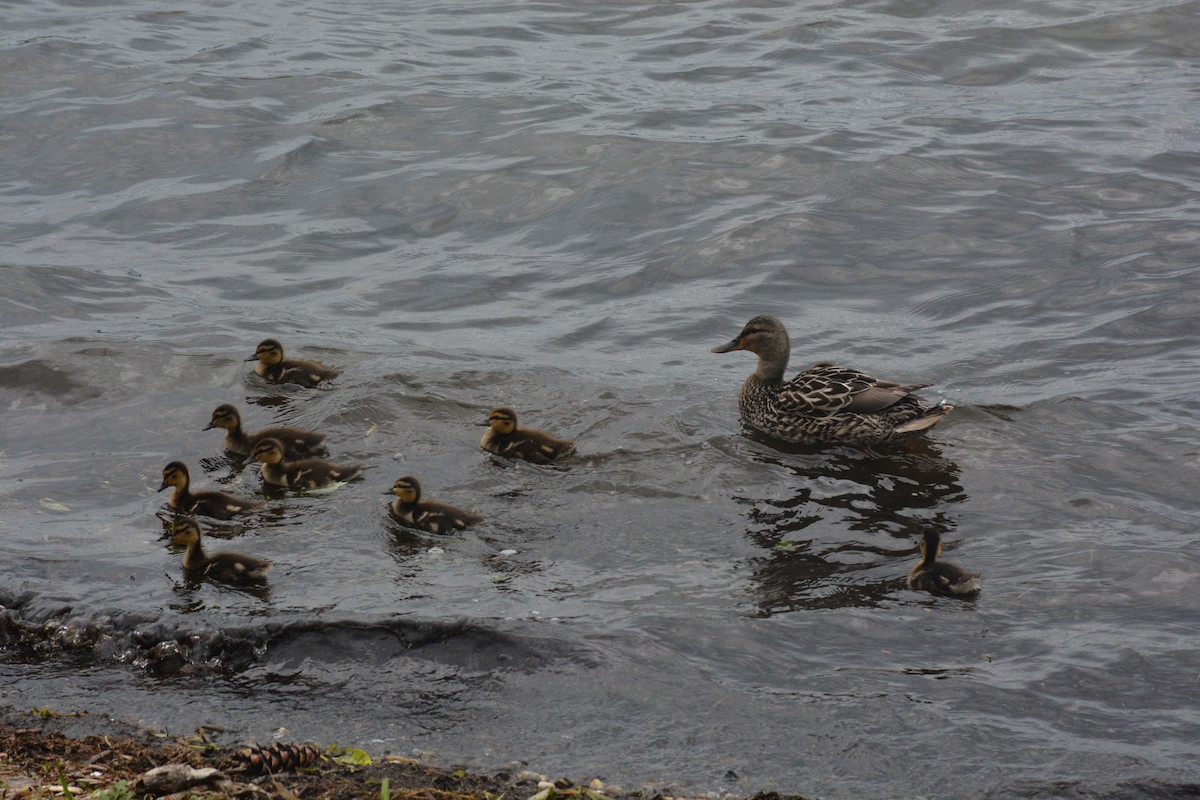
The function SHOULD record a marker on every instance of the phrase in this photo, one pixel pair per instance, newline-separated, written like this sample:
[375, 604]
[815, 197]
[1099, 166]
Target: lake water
[563, 206]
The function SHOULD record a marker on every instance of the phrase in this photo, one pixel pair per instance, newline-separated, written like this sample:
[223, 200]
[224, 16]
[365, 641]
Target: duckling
[409, 509]
[931, 575]
[826, 403]
[217, 505]
[297, 442]
[504, 438]
[309, 473]
[272, 366]
[223, 567]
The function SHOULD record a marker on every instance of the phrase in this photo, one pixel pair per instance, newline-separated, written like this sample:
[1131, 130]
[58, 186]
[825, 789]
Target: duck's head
[502, 420]
[225, 416]
[187, 531]
[931, 545]
[268, 451]
[408, 489]
[269, 351]
[763, 335]
[175, 474]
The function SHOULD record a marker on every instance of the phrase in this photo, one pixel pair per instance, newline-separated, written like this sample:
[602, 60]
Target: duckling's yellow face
[503, 421]
[269, 351]
[187, 532]
[268, 451]
[407, 489]
[174, 474]
[225, 416]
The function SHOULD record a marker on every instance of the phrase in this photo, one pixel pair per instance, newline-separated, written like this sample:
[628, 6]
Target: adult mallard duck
[504, 438]
[211, 503]
[273, 367]
[409, 509]
[826, 403]
[224, 567]
[931, 575]
[308, 473]
[297, 442]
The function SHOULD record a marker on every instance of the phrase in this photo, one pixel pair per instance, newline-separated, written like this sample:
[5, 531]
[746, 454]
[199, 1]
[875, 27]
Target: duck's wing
[220, 505]
[437, 520]
[826, 388]
[236, 567]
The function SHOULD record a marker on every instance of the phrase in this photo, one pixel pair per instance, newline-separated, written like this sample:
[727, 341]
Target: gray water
[562, 206]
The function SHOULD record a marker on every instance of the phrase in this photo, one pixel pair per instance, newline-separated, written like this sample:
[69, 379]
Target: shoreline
[46, 753]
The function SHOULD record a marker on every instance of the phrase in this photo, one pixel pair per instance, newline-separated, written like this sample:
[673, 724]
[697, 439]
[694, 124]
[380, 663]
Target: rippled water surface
[562, 206]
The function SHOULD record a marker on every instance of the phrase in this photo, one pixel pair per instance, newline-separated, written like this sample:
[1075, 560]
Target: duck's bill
[728, 348]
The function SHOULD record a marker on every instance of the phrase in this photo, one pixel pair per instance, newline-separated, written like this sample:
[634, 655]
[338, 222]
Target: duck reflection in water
[841, 534]
[416, 551]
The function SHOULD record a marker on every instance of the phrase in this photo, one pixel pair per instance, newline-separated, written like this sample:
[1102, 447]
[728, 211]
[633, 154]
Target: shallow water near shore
[563, 207]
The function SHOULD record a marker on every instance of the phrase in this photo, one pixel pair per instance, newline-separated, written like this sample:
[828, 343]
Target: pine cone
[280, 757]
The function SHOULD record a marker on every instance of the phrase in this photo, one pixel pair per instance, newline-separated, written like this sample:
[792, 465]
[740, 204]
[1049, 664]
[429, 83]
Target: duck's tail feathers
[926, 420]
[969, 585]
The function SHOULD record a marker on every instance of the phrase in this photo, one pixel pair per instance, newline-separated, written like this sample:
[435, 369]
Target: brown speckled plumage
[826, 403]
[428, 515]
[273, 367]
[931, 575]
[297, 442]
[505, 438]
[941, 578]
[211, 503]
[223, 567]
[308, 473]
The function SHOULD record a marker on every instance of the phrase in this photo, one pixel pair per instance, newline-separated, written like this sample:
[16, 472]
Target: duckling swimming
[409, 509]
[824, 404]
[308, 473]
[297, 442]
[272, 366]
[504, 438]
[931, 575]
[223, 567]
[217, 505]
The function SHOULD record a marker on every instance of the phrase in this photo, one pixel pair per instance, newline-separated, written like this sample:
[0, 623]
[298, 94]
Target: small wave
[32, 629]
[39, 378]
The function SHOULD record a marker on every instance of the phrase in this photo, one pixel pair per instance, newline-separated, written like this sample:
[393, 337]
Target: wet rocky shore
[46, 753]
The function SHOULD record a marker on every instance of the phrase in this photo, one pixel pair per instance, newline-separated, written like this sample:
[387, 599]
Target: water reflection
[504, 567]
[815, 555]
[405, 543]
[272, 401]
[226, 468]
[190, 583]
